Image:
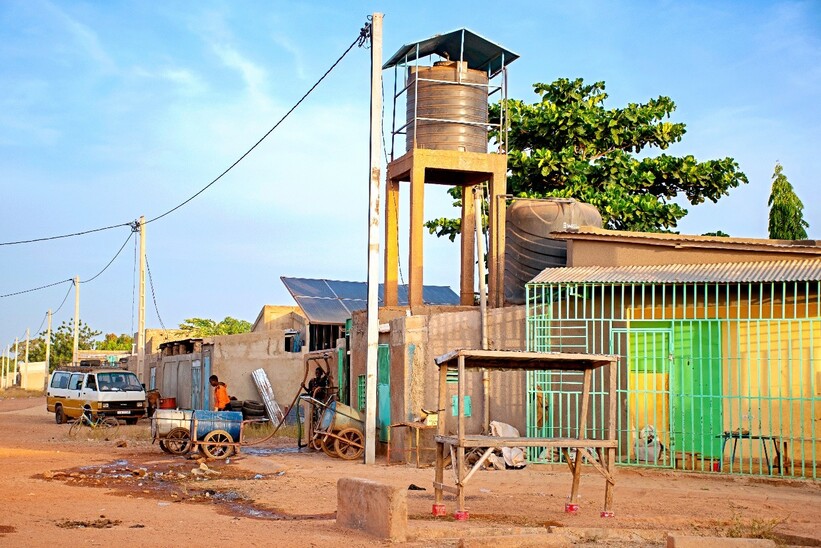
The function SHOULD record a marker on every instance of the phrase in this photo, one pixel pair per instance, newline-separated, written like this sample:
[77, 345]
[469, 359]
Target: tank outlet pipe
[480, 252]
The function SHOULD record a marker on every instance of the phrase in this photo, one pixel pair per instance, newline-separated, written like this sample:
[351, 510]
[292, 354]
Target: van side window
[60, 380]
[76, 382]
[91, 382]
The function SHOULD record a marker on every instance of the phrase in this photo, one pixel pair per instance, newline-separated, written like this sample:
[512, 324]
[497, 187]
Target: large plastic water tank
[528, 247]
[208, 421]
[444, 94]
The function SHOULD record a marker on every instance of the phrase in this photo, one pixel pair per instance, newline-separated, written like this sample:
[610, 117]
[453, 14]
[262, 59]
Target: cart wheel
[177, 441]
[316, 442]
[215, 445]
[163, 447]
[328, 446]
[349, 444]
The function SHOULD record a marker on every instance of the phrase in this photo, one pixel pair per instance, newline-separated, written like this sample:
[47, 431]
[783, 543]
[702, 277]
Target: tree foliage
[204, 327]
[786, 209]
[62, 343]
[112, 341]
[569, 145]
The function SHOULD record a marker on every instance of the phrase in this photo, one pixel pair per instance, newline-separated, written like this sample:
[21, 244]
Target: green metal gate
[383, 391]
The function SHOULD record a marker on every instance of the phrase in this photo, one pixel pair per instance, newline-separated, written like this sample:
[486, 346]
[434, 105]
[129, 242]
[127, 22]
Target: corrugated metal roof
[334, 301]
[769, 271]
[591, 232]
[479, 52]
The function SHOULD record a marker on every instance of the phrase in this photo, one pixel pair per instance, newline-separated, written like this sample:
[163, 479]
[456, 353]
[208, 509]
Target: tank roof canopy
[461, 44]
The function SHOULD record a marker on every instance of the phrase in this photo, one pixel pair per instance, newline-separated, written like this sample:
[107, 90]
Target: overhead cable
[360, 40]
[130, 234]
[153, 294]
[364, 33]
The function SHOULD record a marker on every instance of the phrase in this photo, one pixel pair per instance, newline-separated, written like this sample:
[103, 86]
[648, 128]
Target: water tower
[446, 143]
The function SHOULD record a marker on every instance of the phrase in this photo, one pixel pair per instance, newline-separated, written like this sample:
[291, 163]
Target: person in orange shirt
[221, 398]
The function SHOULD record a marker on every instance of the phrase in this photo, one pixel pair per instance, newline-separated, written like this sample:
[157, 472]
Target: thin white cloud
[290, 47]
[188, 82]
[85, 37]
[253, 75]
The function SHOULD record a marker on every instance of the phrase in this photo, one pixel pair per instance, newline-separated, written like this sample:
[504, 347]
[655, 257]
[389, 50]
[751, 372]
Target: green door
[695, 388]
[383, 391]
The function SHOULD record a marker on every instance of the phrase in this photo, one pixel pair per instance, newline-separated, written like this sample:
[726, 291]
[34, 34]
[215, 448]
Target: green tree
[112, 341]
[786, 210]
[62, 343]
[568, 145]
[205, 327]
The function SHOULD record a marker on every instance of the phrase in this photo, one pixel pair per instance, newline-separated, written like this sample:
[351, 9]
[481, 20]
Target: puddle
[265, 451]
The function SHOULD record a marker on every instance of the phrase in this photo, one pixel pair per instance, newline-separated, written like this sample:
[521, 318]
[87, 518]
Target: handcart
[337, 428]
[216, 434]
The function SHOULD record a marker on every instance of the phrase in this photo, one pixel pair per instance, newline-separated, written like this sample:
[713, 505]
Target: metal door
[383, 391]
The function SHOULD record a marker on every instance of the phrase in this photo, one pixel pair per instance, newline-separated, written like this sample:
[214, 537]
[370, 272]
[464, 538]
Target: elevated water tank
[449, 103]
[528, 247]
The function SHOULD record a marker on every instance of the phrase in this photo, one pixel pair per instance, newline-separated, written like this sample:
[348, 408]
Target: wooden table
[601, 453]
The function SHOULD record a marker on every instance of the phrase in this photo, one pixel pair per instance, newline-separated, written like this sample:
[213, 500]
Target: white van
[110, 392]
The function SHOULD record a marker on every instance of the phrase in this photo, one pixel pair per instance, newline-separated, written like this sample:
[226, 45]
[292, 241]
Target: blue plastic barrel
[208, 421]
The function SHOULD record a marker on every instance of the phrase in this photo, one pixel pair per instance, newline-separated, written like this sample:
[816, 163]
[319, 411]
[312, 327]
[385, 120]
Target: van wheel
[130, 421]
[59, 415]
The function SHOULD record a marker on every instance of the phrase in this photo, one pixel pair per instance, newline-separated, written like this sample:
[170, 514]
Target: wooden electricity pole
[16, 360]
[76, 320]
[140, 339]
[25, 374]
[48, 344]
[373, 239]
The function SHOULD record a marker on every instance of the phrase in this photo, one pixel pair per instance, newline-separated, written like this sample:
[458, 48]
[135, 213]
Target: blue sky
[112, 110]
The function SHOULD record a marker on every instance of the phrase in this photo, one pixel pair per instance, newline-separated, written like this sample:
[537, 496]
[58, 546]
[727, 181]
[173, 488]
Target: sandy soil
[91, 492]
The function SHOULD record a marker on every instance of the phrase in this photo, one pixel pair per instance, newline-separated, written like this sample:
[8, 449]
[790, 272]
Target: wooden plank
[592, 460]
[478, 465]
[439, 473]
[439, 486]
[570, 462]
[494, 441]
[582, 430]
[516, 360]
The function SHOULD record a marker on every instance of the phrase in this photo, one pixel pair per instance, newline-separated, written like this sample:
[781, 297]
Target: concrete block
[546, 540]
[681, 541]
[375, 508]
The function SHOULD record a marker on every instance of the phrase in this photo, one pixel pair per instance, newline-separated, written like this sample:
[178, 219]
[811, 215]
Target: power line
[34, 289]
[109, 262]
[360, 40]
[64, 299]
[47, 238]
[153, 295]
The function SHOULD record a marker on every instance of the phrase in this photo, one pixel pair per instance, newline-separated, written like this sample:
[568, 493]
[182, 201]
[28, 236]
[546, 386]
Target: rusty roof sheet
[590, 232]
[769, 271]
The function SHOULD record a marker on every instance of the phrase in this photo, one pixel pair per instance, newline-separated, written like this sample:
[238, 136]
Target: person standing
[221, 398]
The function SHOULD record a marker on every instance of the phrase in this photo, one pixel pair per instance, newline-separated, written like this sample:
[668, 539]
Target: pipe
[480, 252]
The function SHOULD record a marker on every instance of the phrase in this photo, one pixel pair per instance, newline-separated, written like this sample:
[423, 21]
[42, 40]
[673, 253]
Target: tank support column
[468, 241]
[391, 296]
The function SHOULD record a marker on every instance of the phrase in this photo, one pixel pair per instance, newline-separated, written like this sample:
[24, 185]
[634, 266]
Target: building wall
[33, 375]
[414, 343]
[233, 358]
[611, 253]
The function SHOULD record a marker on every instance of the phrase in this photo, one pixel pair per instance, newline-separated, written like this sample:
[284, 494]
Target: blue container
[208, 421]
[328, 417]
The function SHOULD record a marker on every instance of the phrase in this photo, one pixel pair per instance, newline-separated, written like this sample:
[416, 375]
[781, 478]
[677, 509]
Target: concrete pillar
[496, 227]
[467, 278]
[417, 231]
[391, 296]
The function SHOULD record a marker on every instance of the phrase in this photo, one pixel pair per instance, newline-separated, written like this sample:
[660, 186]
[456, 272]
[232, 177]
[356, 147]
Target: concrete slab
[546, 540]
[681, 541]
[375, 508]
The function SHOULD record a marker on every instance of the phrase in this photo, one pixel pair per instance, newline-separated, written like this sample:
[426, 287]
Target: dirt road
[91, 492]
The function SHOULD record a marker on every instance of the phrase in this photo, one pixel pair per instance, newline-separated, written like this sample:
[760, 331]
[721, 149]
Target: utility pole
[48, 345]
[373, 239]
[76, 320]
[5, 368]
[16, 360]
[141, 306]
[25, 374]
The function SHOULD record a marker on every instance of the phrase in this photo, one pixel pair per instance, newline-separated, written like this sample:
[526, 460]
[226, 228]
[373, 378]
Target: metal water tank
[449, 94]
[528, 246]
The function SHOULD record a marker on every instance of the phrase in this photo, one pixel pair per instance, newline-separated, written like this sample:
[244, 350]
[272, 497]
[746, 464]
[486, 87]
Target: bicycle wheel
[75, 428]
[110, 425]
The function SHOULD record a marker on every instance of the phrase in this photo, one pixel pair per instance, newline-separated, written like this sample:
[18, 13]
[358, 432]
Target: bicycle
[109, 425]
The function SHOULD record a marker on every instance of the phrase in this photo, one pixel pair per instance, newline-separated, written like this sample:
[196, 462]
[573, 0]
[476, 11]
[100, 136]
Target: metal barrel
[338, 416]
[208, 421]
[165, 420]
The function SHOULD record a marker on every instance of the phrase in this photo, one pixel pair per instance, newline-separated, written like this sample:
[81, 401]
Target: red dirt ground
[92, 492]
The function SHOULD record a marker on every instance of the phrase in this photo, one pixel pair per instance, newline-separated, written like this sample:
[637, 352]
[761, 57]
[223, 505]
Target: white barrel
[165, 420]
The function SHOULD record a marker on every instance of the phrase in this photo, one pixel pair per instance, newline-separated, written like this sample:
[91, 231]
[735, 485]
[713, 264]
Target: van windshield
[118, 382]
